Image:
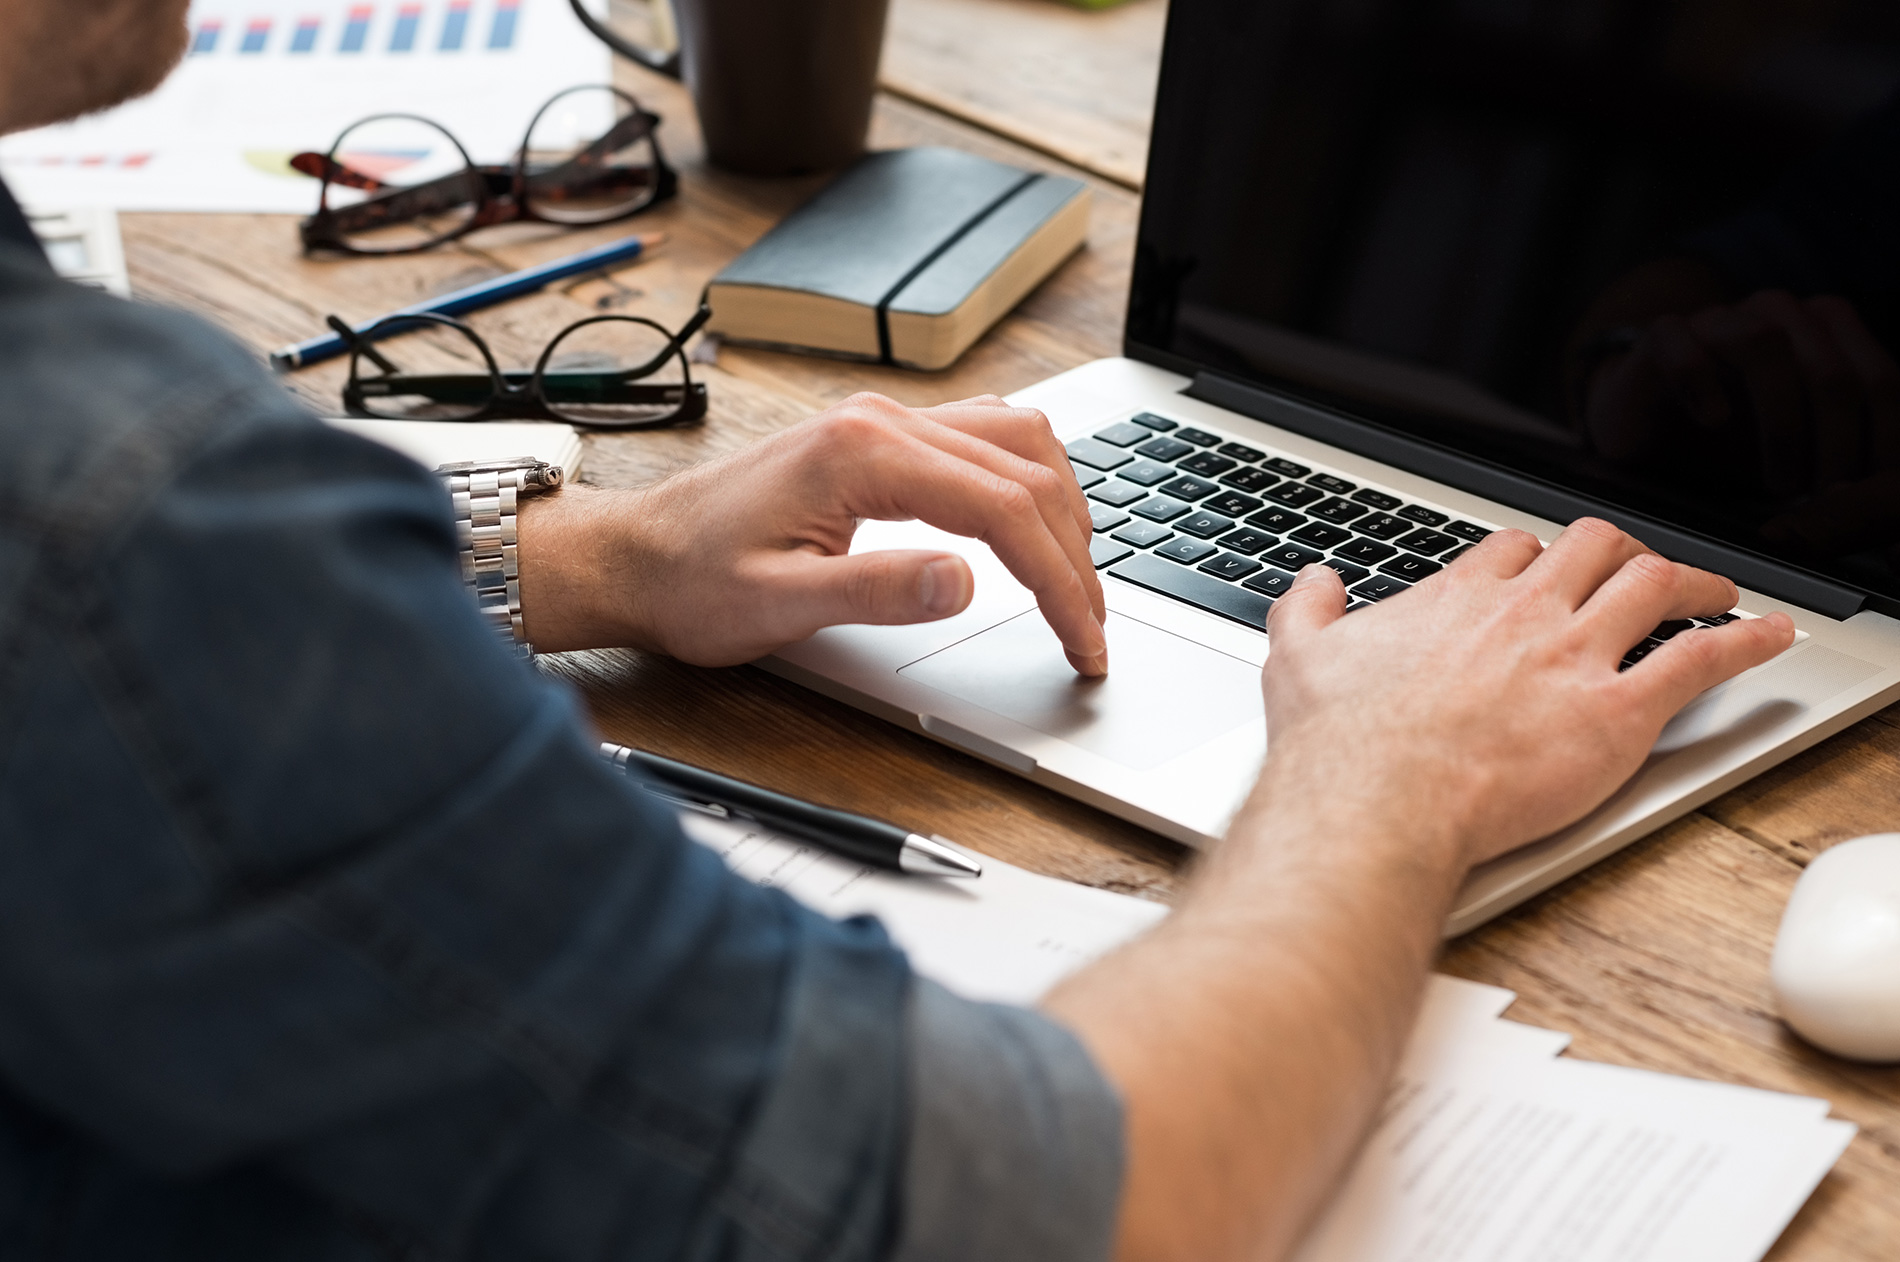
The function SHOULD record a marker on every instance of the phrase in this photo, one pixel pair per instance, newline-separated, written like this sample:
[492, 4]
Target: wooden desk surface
[1656, 958]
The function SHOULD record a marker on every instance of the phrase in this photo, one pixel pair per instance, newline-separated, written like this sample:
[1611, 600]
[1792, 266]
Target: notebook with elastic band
[907, 258]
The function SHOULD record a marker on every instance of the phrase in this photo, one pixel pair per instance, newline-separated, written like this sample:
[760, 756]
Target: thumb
[880, 588]
[1316, 599]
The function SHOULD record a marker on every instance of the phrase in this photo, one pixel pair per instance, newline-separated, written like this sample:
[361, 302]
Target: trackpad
[1163, 696]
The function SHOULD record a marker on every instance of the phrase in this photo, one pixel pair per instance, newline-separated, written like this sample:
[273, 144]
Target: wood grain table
[1656, 958]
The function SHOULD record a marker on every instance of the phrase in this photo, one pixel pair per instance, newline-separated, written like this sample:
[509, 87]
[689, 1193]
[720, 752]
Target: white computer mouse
[1836, 968]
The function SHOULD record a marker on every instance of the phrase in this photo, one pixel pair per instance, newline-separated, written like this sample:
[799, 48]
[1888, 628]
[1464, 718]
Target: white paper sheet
[1006, 937]
[273, 77]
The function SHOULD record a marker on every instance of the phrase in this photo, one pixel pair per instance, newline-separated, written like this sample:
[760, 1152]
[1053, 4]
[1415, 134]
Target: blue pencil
[475, 297]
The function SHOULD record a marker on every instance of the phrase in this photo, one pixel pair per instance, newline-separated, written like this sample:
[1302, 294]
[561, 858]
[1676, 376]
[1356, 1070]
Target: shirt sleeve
[1015, 1151]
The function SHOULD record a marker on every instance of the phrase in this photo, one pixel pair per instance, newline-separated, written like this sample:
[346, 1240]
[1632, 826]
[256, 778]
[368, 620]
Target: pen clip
[714, 809]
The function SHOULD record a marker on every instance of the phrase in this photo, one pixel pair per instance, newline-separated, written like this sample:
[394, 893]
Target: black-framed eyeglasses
[609, 372]
[399, 183]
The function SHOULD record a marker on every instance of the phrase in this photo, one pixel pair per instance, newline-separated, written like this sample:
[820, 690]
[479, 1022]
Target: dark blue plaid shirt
[325, 934]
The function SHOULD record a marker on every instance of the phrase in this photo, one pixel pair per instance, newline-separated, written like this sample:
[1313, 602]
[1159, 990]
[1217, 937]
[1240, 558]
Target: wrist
[1311, 813]
[581, 585]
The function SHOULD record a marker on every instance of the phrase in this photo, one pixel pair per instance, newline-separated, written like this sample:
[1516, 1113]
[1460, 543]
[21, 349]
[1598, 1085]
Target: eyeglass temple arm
[672, 348]
[442, 193]
[357, 342]
[591, 159]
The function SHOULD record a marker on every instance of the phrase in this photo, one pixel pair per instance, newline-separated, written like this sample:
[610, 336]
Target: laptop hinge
[1530, 495]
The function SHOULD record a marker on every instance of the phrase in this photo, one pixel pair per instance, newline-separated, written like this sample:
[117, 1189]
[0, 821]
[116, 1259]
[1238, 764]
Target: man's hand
[1486, 704]
[729, 560]
[1253, 1033]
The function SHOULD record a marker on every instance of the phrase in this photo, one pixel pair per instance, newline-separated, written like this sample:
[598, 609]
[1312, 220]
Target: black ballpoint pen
[855, 836]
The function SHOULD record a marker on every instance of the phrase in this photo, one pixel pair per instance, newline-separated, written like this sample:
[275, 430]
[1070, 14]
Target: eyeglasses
[398, 183]
[609, 372]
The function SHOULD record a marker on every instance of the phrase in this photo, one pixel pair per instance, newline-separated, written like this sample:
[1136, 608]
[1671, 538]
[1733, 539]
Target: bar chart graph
[443, 27]
[265, 79]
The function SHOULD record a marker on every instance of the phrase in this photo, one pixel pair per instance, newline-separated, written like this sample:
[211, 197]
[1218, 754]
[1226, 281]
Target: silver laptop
[1407, 274]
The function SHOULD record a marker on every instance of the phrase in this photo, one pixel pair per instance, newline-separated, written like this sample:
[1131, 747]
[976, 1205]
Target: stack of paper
[1489, 1149]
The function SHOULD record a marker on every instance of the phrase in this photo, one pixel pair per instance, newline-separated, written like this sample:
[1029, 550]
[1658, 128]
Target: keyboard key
[1455, 553]
[1106, 518]
[1252, 481]
[1354, 606]
[1410, 568]
[1423, 515]
[1285, 468]
[1270, 582]
[1248, 540]
[1206, 465]
[1337, 510]
[1379, 587]
[1290, 556]
[1185, 488]
[1466, 530]
[1241, 452]
[1717, 620]
[1231, 504]
[1427, 542]
[1086, 477]
[1365, 551]
[1097, 455]
[1641, 651]
[1125, 434]
[1159, 424]
[1142, 533]
[1105, 552]
[1200, 590]
[1163, 449]
[1278, 520]
[1382, 526]
[1199, 437]
[1671, 629]
[1295, 495]
[1159, 508]
[1117, 492]
[1186, 551]
[1145, 472]
[1230, 566]
[1321, 535]
[1204, 525]
[1378, 499]
[1327, 482]
[1347, 571]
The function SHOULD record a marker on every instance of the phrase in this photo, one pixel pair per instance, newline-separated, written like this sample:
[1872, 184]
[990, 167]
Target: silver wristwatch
[485, 494]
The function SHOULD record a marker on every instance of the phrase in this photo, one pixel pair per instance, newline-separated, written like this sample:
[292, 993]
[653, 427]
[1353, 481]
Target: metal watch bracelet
[486, 495]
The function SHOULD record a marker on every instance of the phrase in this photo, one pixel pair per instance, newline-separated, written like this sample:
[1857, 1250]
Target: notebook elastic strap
[942, 247]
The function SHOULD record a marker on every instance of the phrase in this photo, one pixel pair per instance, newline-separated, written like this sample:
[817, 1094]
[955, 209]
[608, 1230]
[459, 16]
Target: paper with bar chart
[265, 79]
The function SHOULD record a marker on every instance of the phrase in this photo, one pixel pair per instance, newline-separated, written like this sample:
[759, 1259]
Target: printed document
[266, 79]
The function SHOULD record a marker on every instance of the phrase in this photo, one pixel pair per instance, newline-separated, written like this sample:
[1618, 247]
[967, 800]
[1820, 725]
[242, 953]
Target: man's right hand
[1488, 700]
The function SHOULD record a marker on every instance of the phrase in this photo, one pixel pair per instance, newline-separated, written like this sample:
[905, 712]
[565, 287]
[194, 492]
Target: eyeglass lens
[397, 183]
[588, 157]
[422, 371]
[614, 371]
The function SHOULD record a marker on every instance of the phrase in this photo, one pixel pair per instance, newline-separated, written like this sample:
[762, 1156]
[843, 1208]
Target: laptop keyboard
[1223, 526]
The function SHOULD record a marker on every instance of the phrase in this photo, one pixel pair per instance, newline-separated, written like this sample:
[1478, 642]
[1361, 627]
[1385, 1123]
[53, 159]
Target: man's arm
[1252, 1035]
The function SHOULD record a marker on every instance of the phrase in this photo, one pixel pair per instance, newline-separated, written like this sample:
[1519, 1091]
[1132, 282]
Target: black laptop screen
[1648, 250]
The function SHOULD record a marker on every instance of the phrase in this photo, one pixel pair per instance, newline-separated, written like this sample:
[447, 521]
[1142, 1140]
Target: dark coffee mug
[783, 87]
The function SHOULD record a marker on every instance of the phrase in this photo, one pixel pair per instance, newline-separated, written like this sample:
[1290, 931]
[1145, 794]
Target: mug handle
[651, 58]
